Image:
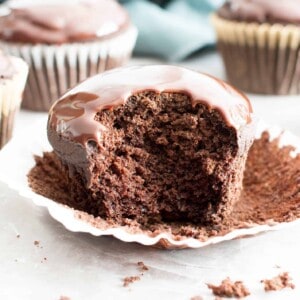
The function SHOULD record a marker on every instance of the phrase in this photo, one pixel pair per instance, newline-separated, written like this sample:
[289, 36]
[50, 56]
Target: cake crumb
[229, 289]
[64, 298]
[278, 283]
[197, 298]
[18, 236]
[36, 243]
[130, 279]
[142, 266]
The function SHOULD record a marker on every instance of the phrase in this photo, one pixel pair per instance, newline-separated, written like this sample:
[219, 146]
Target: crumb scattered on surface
[229, 289]
[45, 258]
[130, 279]
[277, 267]
[18, 236]
[142, 266]
[278, 283]
[64, 298]
[36, 243]
[197, 298]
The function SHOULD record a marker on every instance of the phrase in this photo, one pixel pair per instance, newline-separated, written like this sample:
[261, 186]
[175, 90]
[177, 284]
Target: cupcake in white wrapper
[13, 75]
[64, 44]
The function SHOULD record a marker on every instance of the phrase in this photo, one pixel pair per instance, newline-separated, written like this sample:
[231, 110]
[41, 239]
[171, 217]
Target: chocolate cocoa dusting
[142, 266]
[229, 289]
[266, 197]
[279, 282]
[130, 279]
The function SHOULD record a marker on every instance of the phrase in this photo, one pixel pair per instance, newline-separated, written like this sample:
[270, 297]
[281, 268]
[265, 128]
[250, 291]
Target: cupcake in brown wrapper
[13, 75]
[64, 44]
[260, 45]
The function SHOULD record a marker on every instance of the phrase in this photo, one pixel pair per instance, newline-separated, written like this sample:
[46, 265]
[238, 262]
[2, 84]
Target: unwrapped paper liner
[14, 173]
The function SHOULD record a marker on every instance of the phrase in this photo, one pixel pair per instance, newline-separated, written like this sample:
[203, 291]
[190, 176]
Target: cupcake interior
[161, 160]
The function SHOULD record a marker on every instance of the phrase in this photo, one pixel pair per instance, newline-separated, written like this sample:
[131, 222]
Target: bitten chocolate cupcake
[260, 44]
[13, 75]
[65, 43]
[153, 144]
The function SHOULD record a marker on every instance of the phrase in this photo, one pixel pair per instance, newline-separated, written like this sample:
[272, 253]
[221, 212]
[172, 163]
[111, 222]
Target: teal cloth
[174, 31]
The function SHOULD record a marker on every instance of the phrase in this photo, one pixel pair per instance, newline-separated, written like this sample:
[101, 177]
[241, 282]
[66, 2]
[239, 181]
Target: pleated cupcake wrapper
[11, 91]
[37, 143]
[260, 58]
[54, 69]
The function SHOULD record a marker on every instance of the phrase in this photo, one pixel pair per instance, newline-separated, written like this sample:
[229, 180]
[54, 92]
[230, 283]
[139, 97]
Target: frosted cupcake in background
[64, 43]
[259, 41]
[13, 75]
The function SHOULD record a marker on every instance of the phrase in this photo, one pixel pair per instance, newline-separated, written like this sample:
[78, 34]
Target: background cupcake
[65, 43]
[260, 44]
[13, 74]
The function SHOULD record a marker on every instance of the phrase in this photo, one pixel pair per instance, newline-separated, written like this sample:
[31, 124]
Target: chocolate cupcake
[65, 43]
[260, 44]
[152, 144]
[13, 75]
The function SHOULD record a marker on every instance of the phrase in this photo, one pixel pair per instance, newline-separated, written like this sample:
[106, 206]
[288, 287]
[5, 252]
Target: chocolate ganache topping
[7, 69]
[73, 115]
[271, 11]
[63, 23]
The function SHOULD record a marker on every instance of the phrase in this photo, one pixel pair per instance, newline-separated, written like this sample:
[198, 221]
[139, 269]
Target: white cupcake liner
[56, 68]
[11, 91]
[14, 173]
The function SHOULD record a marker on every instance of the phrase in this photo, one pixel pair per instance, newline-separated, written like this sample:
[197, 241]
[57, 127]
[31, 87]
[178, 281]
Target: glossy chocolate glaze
[7, 69]
[272, 11]
[73, 115]
[63, 23]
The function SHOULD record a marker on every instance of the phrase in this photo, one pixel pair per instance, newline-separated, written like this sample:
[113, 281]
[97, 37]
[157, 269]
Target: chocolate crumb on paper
[18, 236]
[278, 283]
[142, 266]
[36, 243]
[229, 289]
[196, 298]
[64, 298]
[130, 279]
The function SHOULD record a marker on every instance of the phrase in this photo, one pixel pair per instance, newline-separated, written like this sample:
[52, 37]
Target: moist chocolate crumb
[36, 243]
[130, 279]
[279, 282]
[229, 289]
[142, 266]
[18, 236]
